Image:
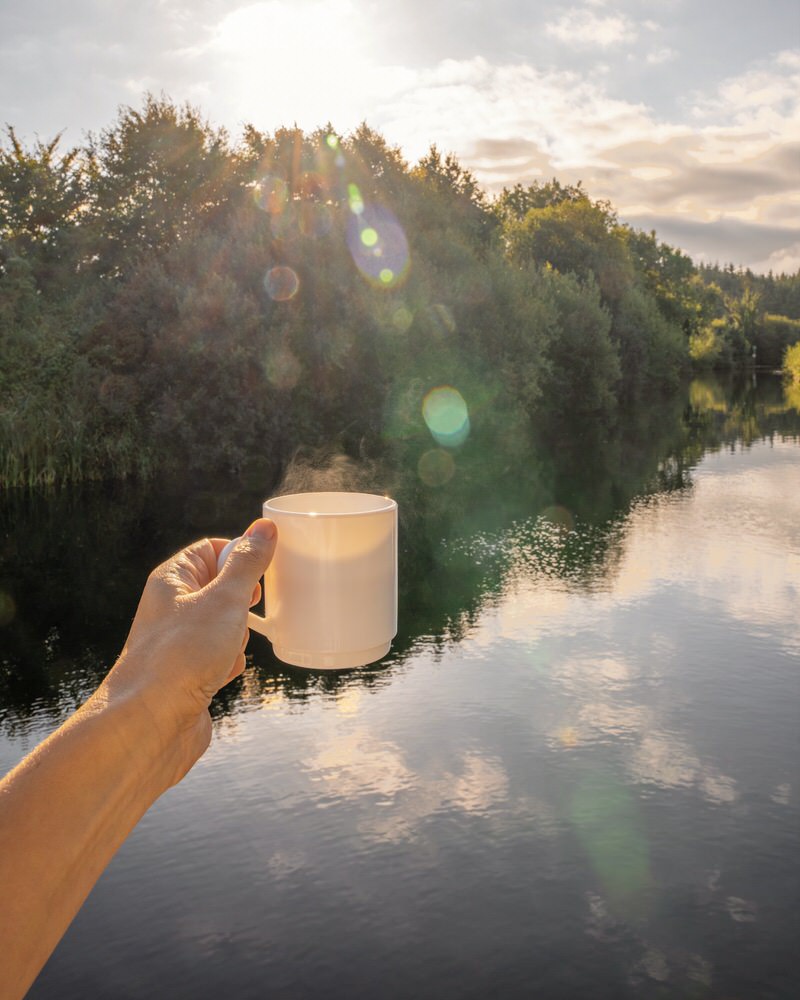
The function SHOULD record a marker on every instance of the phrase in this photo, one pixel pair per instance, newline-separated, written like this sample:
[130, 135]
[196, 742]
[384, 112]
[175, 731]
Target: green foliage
[707, 347]
[779, 294]
[759, 313]
[141, 327]
[42, 207]
[156, 177]
[513, 204]
[450, 195]
[744, 316]
[643, 284]
[671, 279]
[776, 334]
[574, 236]
[652, 349]
[582, 362]
[791, 363]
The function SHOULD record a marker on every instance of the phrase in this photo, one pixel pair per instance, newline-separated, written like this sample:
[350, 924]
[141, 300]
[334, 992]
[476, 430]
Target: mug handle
[258, 624]
[255, 622]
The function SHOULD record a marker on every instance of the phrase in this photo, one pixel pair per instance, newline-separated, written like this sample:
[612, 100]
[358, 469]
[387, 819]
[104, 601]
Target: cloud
[767, 91]
[69, 67]
[354, 764]
[581, 26]
[691, 181]
[733, 178]
[722, 241]
[567, 116]
[659, 56]
[784, 260]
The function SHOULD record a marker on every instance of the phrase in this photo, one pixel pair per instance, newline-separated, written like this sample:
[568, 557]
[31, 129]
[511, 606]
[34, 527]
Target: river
[576, 775]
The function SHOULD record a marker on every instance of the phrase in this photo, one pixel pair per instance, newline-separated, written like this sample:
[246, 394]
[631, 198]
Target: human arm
[69, 805]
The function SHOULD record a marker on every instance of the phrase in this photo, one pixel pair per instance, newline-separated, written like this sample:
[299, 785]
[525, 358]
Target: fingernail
[262, 527]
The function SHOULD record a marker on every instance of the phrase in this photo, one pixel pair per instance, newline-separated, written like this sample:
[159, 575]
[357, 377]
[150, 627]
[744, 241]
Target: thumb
[248, 559]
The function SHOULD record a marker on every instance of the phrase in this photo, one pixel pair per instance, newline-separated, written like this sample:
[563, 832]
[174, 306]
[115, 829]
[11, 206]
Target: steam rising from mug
[330, 591]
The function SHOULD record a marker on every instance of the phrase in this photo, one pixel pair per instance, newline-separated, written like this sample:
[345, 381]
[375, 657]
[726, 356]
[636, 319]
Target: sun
[281, 63]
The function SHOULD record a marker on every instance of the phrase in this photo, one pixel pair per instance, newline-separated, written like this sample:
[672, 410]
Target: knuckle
[250, 553]
[157, 580]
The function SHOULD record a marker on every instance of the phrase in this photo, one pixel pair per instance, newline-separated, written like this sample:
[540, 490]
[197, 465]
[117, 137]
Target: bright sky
[684, 113]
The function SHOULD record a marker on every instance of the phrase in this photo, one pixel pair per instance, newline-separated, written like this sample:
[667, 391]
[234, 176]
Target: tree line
[171, 300]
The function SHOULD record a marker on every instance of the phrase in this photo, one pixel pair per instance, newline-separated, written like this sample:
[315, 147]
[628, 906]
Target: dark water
[577, 775]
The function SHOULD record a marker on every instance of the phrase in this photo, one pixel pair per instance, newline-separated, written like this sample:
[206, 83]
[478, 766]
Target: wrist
[164, 733]
[139, 726]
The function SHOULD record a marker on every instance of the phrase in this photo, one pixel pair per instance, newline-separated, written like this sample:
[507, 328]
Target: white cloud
[741, 164]
[785, 260]
[660, 56]
[766, 92]
[581, 26]
[566, 117]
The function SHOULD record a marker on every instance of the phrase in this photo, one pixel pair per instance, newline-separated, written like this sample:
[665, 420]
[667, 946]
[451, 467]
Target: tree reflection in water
[74, 561]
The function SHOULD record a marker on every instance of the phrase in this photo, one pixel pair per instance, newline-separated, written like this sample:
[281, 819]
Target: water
[576, 775]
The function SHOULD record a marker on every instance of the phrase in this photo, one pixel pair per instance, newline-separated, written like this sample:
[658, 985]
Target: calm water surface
[577, 775]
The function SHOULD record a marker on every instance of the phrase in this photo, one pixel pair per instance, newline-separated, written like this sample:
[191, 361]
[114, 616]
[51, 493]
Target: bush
[707, 346]
[777, 334]
[791, 363]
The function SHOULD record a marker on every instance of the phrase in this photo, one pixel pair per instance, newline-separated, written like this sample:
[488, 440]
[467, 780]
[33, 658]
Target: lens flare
[606, 819]
[436, 467]
[271, 194]
[329, 154]
[445, 412]
[402, 318]
[281, 283]
[354, 200]
[282, 368]
[377, 244]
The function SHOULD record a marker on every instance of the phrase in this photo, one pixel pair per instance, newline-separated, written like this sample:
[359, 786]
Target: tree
[672, 279]
[453, 191]
[513, 204]
[582, 367]
[574, 236]
[157, 176]
[744, 315]
[791, 363]
[42, 204]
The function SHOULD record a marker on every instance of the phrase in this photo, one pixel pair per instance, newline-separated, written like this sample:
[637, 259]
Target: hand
[188, 639]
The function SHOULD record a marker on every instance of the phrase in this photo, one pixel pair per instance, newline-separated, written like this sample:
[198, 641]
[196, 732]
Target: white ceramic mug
[330, 591]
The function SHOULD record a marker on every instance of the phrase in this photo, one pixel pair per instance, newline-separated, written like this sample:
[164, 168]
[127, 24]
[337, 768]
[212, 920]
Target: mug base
[331, 661]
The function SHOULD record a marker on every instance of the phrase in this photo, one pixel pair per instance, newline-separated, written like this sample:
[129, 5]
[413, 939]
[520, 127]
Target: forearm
[64, 811]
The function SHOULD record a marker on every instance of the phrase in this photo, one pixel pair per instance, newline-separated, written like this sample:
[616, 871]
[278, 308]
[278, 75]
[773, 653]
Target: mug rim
[384, 504]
